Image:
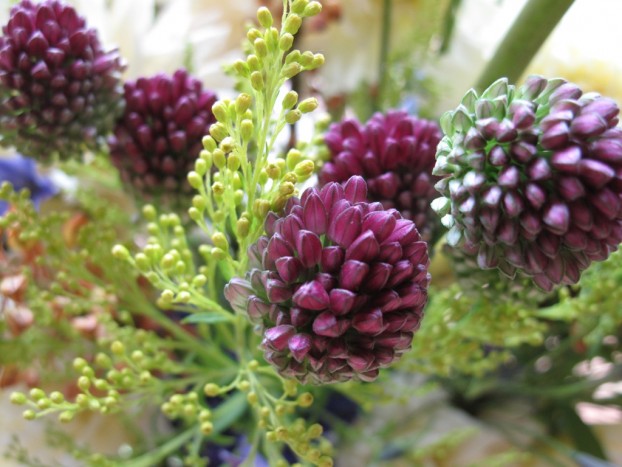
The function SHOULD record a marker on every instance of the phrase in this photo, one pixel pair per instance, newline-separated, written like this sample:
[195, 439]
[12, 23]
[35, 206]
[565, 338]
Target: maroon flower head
[59, 89]
[395, 154]
[532, 179]
[158, 138]
[337, 287]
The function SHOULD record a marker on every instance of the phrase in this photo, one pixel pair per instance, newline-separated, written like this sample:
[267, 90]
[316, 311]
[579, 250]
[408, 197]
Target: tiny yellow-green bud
[291, 70]
[84, 383]
[207, 428]
[254, 64]
[218, 131]
[227, 144]
[290, 100]
[219, 109]
[205, 415]
[305, 399]
[220, 240]
[120, 252]
[101, 384]
[211, 390]
[200, 166]
[264, 17]
[261, 48]
[243, 103]
[274, 172]
[218, 254]
[117, 348]
[218, 189]
[144, 377]
[312, 9]
[65, 417]
[18, 398]
[252, 398]
[282, 433]
[199, 202]
[263, 177]
[238, 197]
[195, 214]
[293, 56]
[209, 144]
[142, 262]
[199, 281]
[306, 58]
[206, 156]
[29, 414]
[253, 34]
[242, 227]
[304, 170]
[183, 297]
[246, 129]
[241, 68]
[220, 160]
[286, 41]
[325, 462]
[103, 360]
[308, 105]
[271, 436]
[195, 180]
[280, 410]
[261, 207]
[244, 385]
[292, 24]
[57, 397]
[233, 162]
[79, 363]
[290, 177]
[257, 80]
[294, 156]
[318, 61]
[298, 6]
[315, 431]
[137, 356]
[149, 212]
[293, 116]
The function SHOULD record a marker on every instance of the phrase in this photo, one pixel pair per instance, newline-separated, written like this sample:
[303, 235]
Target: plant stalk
[529, 31]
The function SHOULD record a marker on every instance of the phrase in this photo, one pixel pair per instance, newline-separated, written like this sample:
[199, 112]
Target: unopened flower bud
[253, 34]
[243, 103]
[233, 162]
[264, 17]
[274, 172]
[261, 48]
[308, 105]
[286, 41]
[218, 131]
[195, 180]
[291, 70]
[290, 100]
[246, 129]
[312, 9]
[298, 6]
[293, 116]
[257, 80]
[242, 227]
[304, 170]
[219, 158]
[241, 68]
[219, 109]
[209, 144]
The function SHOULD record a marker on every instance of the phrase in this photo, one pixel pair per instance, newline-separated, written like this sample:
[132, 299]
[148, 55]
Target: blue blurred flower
[21, 172]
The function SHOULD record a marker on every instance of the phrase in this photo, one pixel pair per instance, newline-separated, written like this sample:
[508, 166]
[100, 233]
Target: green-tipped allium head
[60, 90]
[532, 179]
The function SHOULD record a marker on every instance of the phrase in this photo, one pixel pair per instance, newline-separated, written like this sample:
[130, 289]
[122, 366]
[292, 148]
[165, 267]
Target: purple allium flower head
[395, 155]
[59, 89]
[337, 287]
[158, 138]
[21, 172]
[532, 179]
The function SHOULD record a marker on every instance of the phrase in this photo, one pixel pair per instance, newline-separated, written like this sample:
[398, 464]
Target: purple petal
[311, 296]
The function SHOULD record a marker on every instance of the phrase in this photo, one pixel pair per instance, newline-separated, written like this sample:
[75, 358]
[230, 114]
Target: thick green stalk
[383, 62]
[533, 25]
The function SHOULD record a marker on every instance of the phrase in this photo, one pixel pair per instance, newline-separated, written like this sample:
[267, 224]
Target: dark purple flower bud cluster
[337, 287]
[395, 155]
[532, 179]
[158, 138]
[59, 89]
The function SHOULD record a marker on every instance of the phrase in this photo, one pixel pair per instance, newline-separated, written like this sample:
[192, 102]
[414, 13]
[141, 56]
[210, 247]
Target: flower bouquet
[230, 278]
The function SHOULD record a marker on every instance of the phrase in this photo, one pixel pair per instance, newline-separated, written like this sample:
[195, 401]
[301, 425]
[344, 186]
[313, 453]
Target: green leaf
[229, 411]
[210, 317]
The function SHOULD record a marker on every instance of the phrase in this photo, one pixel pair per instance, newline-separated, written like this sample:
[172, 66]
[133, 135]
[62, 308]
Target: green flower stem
[533, 25]
[156, 455]
[387, 7]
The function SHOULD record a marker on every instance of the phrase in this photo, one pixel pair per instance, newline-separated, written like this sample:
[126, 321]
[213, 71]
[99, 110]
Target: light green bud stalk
[308, 105]
[264, 17]
[257, 80]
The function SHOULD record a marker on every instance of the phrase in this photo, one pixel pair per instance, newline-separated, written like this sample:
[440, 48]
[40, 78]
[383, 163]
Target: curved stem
[533, 25]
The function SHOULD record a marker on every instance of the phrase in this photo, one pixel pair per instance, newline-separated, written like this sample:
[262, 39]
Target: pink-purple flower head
[337, 286]
[60, 90]
[394, 152]
[533, 179]
[158, 138]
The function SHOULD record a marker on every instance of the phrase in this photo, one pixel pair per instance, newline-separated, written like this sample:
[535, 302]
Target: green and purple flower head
[532, 179]
[337, 285]
[60, 90]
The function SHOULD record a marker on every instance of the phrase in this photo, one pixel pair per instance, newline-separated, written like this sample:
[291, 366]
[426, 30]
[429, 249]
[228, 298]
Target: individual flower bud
[293, 116]
[308, 105]
[220, 240]
[290, 100]
[161, 133]
[337, 287]
[312, 9]
[241, 68]
[286, 41]
[233, 162]
[394, 152]
[242, 227]
[219, 109]
[227, 144]
[257, 80]
[246, 129]
[243, 103]
[304, 170]
[292, 24]
[274, 171]
[253, 63]
[318, 61]
[218, 131]
[219, 158]
[552, 204]
[261, 48]
[291, 70]
[208, 143]
[253, 34]
[264, 17]
[298, 6]
[60, 90]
